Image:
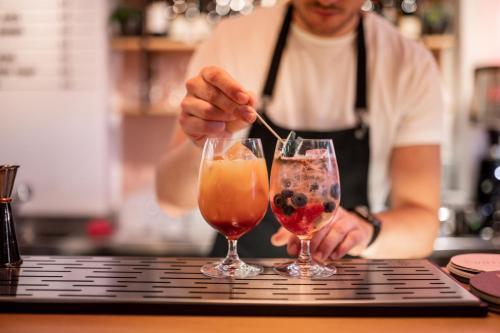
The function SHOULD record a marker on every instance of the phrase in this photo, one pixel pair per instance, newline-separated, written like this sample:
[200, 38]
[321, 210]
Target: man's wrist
[371, 220]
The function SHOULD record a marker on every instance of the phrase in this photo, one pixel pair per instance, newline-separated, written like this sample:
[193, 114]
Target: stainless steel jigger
[9, 251]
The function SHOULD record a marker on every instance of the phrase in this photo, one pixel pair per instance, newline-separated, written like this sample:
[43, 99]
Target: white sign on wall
[54, 104]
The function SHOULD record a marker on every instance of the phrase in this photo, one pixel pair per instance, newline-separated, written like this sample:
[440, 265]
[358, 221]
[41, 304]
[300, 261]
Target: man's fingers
[293, 247]
[204, 110]
[234, 126]
[252, 100]
[196, 127]
[350, 241]
[285, 237]
[223, 81]
[281, 237]
[328, 245]
[197, 87]
[215, 105]
[336, 235]
[319, 236]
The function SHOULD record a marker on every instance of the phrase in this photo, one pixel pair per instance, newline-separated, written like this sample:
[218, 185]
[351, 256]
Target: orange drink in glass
[233, 197]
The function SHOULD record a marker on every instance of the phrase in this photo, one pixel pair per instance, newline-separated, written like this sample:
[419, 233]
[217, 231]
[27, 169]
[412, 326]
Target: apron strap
[267, 93]
[361, 102]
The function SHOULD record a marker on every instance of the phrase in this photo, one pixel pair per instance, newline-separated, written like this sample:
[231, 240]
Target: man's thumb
[281, 237]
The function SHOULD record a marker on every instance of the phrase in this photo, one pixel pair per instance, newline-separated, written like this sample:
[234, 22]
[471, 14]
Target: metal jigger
[9, 251]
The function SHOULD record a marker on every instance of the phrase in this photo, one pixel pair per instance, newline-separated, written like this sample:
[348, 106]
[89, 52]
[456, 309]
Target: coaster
[460, 275]
[487, 286]
[494, 308]
[463, 269]
[476, 262]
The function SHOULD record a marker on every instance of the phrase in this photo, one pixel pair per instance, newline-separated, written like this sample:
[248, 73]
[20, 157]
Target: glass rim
[309, 140]
[215, 139]
[314, 140]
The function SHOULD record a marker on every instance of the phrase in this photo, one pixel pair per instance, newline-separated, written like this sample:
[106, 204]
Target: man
[322, 69]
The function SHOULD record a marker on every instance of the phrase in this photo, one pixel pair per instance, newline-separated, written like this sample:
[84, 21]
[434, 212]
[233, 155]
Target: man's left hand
[347, 234]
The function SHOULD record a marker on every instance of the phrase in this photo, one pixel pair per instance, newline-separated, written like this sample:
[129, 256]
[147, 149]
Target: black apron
[352, 148]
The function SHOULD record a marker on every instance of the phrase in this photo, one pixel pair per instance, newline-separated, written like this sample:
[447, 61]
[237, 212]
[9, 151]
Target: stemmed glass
[233, 197]
[305, 195]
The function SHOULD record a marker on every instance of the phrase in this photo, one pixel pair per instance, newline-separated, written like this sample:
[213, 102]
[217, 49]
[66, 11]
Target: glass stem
[232, 253]
[304, 258]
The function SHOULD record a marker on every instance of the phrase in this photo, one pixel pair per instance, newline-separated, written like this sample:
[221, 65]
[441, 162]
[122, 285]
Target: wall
[479, 44]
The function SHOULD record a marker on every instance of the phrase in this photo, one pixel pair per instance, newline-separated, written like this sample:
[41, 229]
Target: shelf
[149, 111]
[153, 44]
[438, 42]
[163, 44]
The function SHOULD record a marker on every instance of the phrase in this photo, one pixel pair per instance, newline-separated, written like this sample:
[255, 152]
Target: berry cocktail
[305, 196]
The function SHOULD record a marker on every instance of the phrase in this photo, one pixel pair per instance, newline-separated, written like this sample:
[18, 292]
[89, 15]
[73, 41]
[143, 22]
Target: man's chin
[323, 28]
[325, 13]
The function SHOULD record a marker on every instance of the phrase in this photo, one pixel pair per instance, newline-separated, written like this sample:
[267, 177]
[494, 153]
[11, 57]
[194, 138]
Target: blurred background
[89, 91]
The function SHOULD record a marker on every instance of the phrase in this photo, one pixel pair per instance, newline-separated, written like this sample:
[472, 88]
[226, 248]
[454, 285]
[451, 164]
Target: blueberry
[288, 210]
[279, 201]
[299, 199]
[329, 206]
[287, 193]
[313, 187]
[335, 191]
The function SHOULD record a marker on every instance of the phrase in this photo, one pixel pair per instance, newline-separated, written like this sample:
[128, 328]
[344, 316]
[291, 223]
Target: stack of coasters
[486, 286]
[465, 266]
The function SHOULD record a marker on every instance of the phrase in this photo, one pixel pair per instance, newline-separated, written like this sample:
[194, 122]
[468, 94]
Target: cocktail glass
[233, 197]
[305, 196]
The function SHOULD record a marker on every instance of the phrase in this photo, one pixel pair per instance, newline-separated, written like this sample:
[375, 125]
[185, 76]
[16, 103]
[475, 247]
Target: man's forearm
[407, 232]
[177, 178]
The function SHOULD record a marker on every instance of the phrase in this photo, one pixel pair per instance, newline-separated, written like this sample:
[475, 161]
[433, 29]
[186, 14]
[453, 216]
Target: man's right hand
[215, 106]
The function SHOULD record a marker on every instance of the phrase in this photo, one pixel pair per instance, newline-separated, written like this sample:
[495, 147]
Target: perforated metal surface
[175, 285]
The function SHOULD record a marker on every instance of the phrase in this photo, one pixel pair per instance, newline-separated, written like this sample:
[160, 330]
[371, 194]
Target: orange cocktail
[233, 194]
[233, 197]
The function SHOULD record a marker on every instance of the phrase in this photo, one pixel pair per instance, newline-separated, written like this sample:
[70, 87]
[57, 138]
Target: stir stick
[269, 127]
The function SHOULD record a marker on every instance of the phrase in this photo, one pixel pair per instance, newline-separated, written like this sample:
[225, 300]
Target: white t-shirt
[315, 87]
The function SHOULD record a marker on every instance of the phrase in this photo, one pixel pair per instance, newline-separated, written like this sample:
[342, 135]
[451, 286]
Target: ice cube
[317, 153]
[291, 144]
[315, 171]
[239, 151]
[298, 146]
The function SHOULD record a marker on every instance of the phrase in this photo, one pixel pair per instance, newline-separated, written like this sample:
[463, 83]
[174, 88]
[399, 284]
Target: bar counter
[16, 323]
[133, 294]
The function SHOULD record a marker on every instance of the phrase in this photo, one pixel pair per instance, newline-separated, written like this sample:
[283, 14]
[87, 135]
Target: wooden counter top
[17, 323]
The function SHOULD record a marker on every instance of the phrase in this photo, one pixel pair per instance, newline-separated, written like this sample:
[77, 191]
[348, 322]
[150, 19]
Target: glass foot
[238, 270]
[305, 271]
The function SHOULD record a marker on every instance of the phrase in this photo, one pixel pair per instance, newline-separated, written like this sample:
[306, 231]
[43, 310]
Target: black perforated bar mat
[176, 286]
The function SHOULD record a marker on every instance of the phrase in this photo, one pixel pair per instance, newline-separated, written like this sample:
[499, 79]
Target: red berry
[312, 212]
[300, 222]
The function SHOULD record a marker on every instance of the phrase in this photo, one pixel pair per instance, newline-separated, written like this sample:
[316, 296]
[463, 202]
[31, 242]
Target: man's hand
[215, 105]
[346, 234]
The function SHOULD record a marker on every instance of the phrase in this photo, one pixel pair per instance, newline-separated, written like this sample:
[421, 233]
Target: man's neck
[347, 26]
